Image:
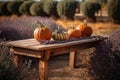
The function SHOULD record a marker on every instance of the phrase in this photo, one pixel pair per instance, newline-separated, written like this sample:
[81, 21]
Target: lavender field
[22, 27]
[98, 63]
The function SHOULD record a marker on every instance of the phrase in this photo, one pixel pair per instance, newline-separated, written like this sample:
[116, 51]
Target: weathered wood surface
[36, 45]
[34, 48]
[72, 61]
[26, 52]
[53, 52]
[43, 66]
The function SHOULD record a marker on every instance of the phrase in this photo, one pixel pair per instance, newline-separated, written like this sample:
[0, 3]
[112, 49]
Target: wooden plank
[60, 51]
[72, 61]
[24, 40]
[24, 43]
[26, 52]
[18, 60]
[35, 45]
[58, 45]
[43, 66]
[43, 70]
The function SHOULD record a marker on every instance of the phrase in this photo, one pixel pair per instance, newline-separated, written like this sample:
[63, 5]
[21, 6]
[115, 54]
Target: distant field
[99, 28]
[102, 27]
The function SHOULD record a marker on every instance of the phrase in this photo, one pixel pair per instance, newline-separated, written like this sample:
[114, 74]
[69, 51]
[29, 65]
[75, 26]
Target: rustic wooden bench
[35, 49]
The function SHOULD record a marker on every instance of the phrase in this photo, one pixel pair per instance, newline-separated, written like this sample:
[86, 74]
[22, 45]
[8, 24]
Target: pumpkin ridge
[42, 33]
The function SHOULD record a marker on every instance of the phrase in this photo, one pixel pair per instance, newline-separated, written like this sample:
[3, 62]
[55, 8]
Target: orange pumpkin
[42, 32]
[74, 33]
[85, 30]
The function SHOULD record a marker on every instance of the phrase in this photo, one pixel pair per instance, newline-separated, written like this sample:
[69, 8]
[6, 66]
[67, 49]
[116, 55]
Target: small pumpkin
[42, 32]
[59, 35]
[85, 29]
[74, 33]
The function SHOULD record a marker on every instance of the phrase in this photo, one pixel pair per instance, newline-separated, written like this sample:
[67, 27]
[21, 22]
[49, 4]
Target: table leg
[72, 60]
[43, 66]
[18, 60]
[43, 69]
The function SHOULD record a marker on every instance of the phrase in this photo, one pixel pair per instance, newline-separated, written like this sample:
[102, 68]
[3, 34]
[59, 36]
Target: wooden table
[33, 48]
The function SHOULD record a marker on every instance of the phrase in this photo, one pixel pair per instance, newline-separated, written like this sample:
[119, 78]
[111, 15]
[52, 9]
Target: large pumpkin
[42, 32]
[85, 29]
[74, 33]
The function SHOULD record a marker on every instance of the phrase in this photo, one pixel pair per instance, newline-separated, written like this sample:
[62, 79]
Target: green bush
[50, 7]
[66, 8]
[113, 8]
[8, 71]
[77, 3]
[25, 7]
[88, 10]
[13, 7]
[3, 9]
[37, 9]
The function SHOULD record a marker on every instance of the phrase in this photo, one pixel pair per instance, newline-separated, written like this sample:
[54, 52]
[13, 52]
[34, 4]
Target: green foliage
[50, 7]
[77, 3]
[13, 7]
[25, 7]
[103, 1]
[66, 8]
[113, 7]
[3, 8]
[8, 71]
[89, 8]
[37, 9]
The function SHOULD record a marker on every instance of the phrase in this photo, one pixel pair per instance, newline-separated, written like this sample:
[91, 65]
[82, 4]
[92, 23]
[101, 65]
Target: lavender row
[23, 27]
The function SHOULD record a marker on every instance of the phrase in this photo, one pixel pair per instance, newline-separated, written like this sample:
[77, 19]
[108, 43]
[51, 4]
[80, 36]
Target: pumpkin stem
[73, 25]
[85, 22]
[56, 30]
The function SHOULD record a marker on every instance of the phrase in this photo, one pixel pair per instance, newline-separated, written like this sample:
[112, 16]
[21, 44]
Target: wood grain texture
[34, 48]
[36, 45]
[43, 70]
[43, 66]
[72, 61]
[26, 52]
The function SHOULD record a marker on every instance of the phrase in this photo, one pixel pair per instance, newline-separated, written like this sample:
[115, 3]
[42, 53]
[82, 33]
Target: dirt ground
[59, 70]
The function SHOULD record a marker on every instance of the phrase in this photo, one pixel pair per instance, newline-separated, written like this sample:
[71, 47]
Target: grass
[99, 28]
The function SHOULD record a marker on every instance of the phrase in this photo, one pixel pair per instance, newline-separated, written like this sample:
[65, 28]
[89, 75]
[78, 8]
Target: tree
[3, 9]
[13, 7]
[37, 9]
[25, 7]
[113, 8]
[88, 9]
[103, 1]
[50, 7]
[66, 9]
